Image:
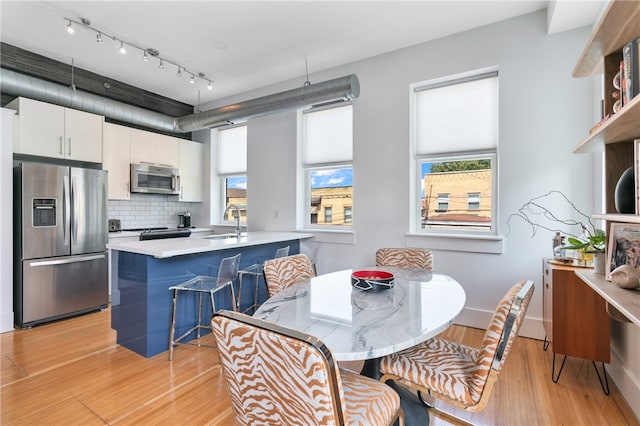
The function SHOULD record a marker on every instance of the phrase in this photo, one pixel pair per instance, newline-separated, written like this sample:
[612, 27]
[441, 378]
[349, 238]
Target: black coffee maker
[184, 219]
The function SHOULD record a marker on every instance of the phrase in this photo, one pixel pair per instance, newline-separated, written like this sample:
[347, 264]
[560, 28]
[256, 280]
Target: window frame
[306, 170]
[219, 181]
[417, 160]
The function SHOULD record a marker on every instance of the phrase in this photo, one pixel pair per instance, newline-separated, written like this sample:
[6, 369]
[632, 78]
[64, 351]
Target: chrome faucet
[233, 206]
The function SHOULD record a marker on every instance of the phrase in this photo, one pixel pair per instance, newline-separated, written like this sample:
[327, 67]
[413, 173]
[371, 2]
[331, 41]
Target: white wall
[6, 220]
[544, 113]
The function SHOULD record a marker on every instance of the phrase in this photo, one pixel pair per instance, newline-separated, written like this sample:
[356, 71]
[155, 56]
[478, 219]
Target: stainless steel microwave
[155, 179]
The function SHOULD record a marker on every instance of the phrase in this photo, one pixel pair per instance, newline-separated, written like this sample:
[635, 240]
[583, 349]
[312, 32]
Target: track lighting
[146, 52]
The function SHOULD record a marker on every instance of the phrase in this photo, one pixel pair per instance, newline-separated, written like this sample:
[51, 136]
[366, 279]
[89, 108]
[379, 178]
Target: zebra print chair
[405, 258]
[457, 374]
[278, 376]
[286, 271]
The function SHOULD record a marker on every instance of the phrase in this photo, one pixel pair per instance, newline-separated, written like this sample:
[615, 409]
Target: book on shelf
[631, 70]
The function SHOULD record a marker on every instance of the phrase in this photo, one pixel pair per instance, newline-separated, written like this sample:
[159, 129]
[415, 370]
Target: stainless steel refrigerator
[60, 241]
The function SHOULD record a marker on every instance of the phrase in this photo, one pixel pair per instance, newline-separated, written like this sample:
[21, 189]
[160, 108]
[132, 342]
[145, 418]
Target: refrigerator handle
[74, 200]
[66, 211]
[67, 260]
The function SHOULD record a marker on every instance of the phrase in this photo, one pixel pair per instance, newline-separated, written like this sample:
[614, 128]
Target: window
[473, 201]
[443, 202]
[232, 171]
[328, 215]
[455, 141]
[327, 166]
[347, 214]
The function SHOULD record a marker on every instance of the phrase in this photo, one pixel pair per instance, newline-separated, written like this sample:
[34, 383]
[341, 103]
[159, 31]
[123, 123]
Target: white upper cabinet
[53, 131]
[116, 158]
[154, 148]
[191, 171]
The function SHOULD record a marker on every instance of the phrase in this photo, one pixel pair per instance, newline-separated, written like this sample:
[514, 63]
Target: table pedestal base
[415, 413]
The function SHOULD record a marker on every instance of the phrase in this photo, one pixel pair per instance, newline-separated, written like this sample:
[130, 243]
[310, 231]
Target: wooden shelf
[617, 217]
[619, 25]
[627, 302]
[623, 126]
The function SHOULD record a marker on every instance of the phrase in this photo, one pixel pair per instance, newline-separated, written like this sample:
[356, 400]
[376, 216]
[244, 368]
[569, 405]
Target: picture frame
[623, 247]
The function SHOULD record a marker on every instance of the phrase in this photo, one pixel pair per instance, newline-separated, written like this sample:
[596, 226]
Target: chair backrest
[228, 270]
[277, 375]
[282, 252]
[284, 272]
[405, 258]
[498, 339]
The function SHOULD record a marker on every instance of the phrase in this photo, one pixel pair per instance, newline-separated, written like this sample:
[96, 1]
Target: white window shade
[232, 150]
[458, 117]
[328, 136]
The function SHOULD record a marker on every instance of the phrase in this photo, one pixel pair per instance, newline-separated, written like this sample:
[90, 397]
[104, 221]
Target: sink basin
[222, 236]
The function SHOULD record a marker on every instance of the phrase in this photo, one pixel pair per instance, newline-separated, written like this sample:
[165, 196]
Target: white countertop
[170, 247]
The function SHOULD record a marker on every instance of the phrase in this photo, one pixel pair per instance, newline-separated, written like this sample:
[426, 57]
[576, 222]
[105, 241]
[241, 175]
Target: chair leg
[553, 368]
[233, 297]
[198, 322]
[172, 332]
[605, 385]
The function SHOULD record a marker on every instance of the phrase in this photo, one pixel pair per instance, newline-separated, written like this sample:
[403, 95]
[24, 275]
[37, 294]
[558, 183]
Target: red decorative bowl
[372, 280]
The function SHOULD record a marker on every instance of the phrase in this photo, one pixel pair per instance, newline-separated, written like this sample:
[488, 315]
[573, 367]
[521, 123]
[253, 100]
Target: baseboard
[625, 381]
[477, 318]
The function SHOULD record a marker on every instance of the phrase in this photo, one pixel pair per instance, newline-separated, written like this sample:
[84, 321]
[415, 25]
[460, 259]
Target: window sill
[331, 236]
[490, 244]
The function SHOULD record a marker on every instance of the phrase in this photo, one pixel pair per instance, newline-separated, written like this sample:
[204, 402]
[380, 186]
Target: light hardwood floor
[73, 372]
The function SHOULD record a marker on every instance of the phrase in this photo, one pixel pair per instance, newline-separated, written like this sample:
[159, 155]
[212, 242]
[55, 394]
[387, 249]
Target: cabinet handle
[547, 285]
[69, 153]
[61, 151]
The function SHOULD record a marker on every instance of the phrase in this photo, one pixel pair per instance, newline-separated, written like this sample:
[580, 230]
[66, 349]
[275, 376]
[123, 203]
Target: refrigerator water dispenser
[44, 212]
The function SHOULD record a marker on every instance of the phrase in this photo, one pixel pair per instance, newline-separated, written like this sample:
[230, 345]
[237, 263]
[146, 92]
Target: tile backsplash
[147, 210]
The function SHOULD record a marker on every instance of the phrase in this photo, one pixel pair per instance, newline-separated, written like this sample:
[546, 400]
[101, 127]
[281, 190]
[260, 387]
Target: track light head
[179, 72]
[99, 38]
[161, 66]
[210, 85]
[192, 79]
[70, 28]
[122, 49]
[144, 56]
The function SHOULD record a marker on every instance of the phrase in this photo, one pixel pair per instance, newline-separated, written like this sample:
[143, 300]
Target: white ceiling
[242, 45]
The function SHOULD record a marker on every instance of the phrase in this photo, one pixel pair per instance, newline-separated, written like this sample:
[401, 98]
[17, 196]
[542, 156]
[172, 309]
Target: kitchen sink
[223, 236]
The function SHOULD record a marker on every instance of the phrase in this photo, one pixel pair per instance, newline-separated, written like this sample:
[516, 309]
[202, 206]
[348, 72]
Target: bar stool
[255, 271]
[227, 273]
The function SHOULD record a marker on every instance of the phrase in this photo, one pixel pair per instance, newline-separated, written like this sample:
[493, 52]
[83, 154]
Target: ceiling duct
[18, 84]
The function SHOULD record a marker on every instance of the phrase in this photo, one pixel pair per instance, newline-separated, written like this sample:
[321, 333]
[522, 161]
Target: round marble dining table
[361, 325]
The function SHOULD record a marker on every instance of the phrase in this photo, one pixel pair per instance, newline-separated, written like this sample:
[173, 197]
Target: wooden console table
[575, 318]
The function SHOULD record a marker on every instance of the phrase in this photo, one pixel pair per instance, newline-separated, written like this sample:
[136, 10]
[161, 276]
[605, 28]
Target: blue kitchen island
[145, 270]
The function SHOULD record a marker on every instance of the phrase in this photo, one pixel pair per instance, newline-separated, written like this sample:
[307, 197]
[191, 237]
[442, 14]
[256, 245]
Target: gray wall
[544, 113]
